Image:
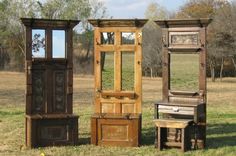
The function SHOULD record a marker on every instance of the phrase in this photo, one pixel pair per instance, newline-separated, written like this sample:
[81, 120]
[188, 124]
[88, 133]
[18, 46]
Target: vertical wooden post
[165, 66]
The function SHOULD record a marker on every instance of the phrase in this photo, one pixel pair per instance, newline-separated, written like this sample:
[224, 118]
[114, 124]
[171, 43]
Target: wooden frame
[116, 100]
[185, 36]
[49, 80]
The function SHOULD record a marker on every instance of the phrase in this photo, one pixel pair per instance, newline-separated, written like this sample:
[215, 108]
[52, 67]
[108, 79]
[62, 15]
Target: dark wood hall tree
[49, 83]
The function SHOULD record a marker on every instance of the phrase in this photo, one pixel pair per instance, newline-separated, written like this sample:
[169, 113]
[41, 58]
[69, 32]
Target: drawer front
[176, 110]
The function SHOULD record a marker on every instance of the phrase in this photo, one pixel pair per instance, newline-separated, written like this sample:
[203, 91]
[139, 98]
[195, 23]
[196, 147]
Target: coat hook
[97, 42]
[202, 45]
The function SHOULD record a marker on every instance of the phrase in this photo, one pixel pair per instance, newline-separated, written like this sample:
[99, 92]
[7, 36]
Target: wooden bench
[162, 140]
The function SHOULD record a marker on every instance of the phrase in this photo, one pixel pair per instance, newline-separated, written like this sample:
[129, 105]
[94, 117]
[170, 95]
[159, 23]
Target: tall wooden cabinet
[118, 82]
[49, 83]
[181, 115]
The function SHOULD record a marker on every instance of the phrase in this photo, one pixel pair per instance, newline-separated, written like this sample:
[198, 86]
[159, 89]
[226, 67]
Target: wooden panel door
[118, 78]
[49, 71]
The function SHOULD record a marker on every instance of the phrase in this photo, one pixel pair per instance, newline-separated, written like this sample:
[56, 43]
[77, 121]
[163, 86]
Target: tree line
[221, 32]
[12, 39]
[221, 35]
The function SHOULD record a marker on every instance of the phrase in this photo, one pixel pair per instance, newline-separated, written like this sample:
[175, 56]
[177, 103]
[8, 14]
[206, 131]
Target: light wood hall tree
[118, 82]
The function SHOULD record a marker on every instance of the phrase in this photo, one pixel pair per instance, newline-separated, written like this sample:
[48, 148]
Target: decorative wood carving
[185, 110]
[49, 78]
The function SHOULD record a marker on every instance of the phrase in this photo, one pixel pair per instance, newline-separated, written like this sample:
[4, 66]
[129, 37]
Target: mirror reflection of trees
[38, 43]
[127, 38]
[107, 37]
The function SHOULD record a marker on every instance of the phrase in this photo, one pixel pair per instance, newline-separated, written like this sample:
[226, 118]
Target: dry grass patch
[221, 133]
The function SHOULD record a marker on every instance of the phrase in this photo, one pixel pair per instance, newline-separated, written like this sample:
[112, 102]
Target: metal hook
[164, 41]
[97, 42]
[202, 45]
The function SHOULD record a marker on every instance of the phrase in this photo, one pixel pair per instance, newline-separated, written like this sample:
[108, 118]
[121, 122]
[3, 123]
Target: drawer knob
[176, 109]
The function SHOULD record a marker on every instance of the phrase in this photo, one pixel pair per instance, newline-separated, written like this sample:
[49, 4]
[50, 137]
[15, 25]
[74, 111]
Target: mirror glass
[58, 44]
[184, 72]
[127, 38]
[127, 71]
[38, 43]
[107, 69]
[107, 38]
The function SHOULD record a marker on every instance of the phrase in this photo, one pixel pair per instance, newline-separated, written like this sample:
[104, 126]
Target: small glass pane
[107, 37]
[127, 74]
[38, 43]
[58, 44]
[107, 68]
[127, 38]
[184, 72]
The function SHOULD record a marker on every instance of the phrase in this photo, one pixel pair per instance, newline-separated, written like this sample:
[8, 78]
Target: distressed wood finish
[51, 130]
[116, 129]
[185, 37]
[116, 100]
[49, 85]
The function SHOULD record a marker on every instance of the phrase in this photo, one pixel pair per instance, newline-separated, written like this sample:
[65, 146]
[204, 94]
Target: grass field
[221, 111]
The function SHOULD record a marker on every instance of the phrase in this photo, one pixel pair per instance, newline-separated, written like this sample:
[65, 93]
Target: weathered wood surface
[116, 130]
[117, 118]
[51, 130]
[182, 36]
[49, 88]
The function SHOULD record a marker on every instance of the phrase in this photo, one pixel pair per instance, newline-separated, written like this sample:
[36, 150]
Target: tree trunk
[212, 68]
[234, 66]
[151, 72]
[221, 68]
[88, 49]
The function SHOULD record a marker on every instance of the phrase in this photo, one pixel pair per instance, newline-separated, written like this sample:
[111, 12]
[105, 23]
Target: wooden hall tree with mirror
[180, 117]
[118, 82]
[49, 83]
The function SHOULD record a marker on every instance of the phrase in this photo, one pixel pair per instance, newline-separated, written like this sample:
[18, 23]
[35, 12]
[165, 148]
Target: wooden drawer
[195, 111]
[116, 130]
[51, 130]
[176, 110]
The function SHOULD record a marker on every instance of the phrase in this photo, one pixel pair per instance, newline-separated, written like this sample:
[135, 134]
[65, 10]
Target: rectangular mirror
[127, 38]
[127, 71]
[58, 44]
[38, 43]
[107, 70]
[184, 70]
[107, 38]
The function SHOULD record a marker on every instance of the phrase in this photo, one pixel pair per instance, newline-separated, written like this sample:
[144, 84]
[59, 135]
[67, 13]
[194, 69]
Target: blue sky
[58, 43]
[136, 8]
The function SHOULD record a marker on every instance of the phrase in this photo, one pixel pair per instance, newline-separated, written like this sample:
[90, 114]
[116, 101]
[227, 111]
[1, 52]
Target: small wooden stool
[162, 137]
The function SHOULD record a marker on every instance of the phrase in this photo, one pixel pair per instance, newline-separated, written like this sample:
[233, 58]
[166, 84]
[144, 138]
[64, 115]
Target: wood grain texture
[49, 88]
[186, 105]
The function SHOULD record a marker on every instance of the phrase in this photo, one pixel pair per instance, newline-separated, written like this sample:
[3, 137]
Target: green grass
[221, 118]
[184, 71]
[127, 74]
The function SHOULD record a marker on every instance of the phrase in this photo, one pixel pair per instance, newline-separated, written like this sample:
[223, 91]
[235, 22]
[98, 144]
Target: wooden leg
[156, 137]
[188, 138]
[183, 139]
[159, 140]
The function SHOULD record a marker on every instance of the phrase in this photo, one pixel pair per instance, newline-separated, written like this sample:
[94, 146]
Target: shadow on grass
[148, 136]
[217, 140]
[84, 141]
[84, 138]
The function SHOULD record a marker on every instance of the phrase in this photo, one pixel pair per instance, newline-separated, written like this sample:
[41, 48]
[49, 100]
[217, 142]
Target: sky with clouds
[136, 8]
